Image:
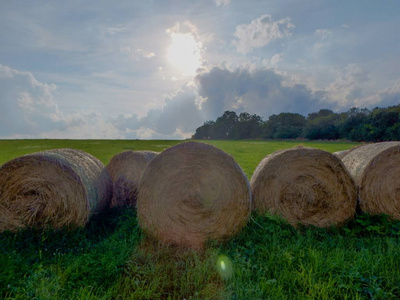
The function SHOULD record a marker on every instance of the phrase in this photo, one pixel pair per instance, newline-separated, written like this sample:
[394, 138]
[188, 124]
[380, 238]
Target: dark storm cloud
[179, 114]
[263, 92]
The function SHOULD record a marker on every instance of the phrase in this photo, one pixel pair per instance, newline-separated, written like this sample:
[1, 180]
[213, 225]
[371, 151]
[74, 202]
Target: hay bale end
[304, 186]
[56, 188]
[376, 171]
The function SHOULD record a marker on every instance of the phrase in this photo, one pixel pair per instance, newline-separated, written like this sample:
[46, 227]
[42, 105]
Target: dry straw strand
[126, 169]
[191, 193]
[376, 172]
[57, 188]
[304, 186]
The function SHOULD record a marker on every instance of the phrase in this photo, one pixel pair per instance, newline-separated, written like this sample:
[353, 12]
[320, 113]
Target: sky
[158, 69]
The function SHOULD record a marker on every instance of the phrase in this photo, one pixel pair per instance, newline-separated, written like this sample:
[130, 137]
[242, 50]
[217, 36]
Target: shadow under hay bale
[305, 186]
[56, 188]
[191, 193]
[376, 172]
[126, 169]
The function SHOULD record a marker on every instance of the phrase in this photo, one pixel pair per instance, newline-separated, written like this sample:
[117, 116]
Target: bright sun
[184, 53]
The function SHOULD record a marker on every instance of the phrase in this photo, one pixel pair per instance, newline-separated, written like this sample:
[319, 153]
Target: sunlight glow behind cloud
[184, 53]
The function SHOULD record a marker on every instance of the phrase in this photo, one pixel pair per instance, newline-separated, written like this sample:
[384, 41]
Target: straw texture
[191, 193]
[126, 169]
[341, 154]
[57, 188]
[376, 172]
[304, 185]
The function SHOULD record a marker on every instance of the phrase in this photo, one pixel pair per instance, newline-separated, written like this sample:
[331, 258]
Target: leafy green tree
[359, 124]
[248, 126]
[284, 126]
[353, 121]
[225, 124]
[322, 125]
[393, 133]
[205, 132]
[382, 122]
[319, 114]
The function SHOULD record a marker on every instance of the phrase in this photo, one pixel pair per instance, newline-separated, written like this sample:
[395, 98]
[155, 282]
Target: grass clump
[274, 261]
[57, 264]
[167, 272]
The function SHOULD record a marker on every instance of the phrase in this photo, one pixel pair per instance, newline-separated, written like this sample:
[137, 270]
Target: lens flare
[224, 266]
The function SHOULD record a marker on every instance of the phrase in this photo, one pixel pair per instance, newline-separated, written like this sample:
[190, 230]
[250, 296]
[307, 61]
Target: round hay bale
[306, 186]
[57, 188]
[191, 193]
[341, 154]
[126, 169]
[376, 172]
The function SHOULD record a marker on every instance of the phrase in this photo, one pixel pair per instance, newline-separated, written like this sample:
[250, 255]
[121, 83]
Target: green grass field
[247, 153]
[111, 259]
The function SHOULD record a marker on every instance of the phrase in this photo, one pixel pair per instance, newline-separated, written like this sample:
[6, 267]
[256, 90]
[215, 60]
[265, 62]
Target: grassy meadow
[111, 258]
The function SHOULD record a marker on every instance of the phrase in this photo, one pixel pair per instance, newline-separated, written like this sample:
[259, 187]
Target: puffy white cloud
[390, 96]
[27, 106]
[348, 88]
[260, 32]
[28, 109]
[276, 59]
[383, 98]
[353, 87]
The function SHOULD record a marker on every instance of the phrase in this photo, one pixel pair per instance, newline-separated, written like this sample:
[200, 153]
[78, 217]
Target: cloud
[113, 30]
[390, 96]
[323, 33]
[179, 113]
[262, 92]
[27, 106]
[348, 88]
[84, 125]
[137, 53]
[383, 98]
[222, 2]
[260, 32]
[353, 87]
[178, 118]
[28, 109]
[276, 59]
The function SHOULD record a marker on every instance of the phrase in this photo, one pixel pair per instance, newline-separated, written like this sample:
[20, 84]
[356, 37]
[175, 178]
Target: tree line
[356, 124]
